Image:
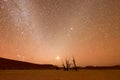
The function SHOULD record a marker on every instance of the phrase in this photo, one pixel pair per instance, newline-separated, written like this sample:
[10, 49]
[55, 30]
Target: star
[71, 28]
[22, 33]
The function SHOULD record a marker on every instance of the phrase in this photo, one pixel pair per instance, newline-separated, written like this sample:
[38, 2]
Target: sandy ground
[59, 75]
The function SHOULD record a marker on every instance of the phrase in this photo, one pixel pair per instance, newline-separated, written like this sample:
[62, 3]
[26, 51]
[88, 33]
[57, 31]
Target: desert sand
[59, 75]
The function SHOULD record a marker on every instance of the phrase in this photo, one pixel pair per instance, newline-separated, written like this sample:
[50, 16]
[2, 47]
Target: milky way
[40, 30]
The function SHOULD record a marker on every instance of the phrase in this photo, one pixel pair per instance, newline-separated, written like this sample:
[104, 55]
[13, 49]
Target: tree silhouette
[67, 64]
[64, 66]
[74, 63]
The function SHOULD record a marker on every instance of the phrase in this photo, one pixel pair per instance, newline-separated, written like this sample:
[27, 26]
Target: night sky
[39, 31]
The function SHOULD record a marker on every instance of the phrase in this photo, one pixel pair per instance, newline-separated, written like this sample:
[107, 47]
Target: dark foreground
[59, 75]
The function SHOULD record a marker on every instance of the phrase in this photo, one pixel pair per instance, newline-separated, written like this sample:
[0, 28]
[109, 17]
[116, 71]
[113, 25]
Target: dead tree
[74, 63]
[67, 65]
[64, 67]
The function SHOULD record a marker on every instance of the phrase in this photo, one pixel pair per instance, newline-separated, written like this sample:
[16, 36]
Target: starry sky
[38, 31]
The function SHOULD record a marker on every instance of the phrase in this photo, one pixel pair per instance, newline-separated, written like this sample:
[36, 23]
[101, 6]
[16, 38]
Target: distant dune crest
[14, 64]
